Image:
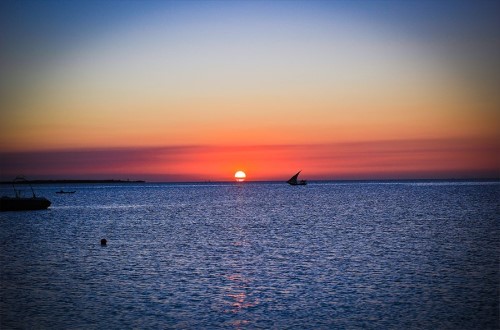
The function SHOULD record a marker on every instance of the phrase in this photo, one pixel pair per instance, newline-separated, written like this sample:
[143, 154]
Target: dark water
[255, 255]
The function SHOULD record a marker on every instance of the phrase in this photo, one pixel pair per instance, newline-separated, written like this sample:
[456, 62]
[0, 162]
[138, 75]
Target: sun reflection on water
[239, 296]
[237, 300]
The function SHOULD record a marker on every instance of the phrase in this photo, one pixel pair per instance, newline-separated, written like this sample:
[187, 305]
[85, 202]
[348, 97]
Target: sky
[196, 90]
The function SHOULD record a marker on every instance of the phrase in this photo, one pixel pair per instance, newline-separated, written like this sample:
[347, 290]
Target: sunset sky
[196, 90]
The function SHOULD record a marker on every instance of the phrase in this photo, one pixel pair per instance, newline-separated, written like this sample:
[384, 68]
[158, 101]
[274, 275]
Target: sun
[240, 176]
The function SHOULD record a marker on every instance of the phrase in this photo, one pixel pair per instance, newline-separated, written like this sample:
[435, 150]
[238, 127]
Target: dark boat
[23, 203]
[65, 192]
[19, 203]
[295, 182]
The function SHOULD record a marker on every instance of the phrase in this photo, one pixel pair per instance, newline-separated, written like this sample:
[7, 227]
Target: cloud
[429, 158]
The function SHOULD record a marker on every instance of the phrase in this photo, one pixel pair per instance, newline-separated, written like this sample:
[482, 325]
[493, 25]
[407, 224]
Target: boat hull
[23, 204]
[297, 184]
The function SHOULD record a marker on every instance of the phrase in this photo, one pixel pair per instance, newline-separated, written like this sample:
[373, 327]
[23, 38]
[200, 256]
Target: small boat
[19, 203]
[65, 192]
[295, 182]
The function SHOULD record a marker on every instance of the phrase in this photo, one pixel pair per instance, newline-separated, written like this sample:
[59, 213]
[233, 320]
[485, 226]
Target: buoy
[103, 241]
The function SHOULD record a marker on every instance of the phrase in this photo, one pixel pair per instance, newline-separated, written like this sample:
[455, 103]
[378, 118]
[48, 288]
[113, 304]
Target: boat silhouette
[293, 181]
[19, 203]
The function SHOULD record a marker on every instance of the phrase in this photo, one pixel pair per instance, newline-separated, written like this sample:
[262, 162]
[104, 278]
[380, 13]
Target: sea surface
[329, 255]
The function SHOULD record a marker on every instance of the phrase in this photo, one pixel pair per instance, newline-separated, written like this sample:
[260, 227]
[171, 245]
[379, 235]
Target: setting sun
[240, 176]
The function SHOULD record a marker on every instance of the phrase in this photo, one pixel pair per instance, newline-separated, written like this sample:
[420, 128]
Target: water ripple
[324, 256]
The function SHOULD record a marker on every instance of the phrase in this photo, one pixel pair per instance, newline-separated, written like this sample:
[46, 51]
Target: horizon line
[91, 181]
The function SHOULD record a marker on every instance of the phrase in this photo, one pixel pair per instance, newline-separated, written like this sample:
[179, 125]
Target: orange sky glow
[194, 91]
[362, 160]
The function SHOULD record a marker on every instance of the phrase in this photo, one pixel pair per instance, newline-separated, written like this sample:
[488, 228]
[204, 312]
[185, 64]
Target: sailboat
[295, 182]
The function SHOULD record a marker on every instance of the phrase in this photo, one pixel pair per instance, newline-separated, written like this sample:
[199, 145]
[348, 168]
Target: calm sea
[379, 255]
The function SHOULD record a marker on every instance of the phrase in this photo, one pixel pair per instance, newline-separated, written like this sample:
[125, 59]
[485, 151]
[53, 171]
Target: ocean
[329, 255]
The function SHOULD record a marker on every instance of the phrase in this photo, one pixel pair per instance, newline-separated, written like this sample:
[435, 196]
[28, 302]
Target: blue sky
[36, 32]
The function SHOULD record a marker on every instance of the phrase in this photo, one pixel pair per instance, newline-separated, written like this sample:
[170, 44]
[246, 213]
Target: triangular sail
[293, 179]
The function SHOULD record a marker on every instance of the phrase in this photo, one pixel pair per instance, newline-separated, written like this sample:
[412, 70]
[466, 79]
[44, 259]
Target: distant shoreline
[72, 181]
[111, 181]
